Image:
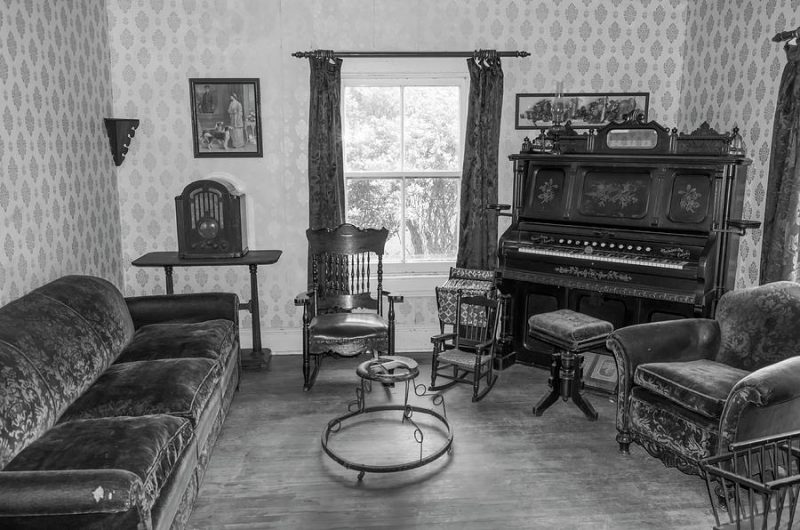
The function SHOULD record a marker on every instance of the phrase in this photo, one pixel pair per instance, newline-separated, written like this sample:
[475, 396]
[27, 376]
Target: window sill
[414, 284]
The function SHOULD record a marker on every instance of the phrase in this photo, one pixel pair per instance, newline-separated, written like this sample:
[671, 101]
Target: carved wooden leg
[624, 441]
[554, 384]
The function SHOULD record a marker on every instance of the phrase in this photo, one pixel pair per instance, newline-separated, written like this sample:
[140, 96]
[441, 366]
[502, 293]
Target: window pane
[432, 212]
[432, 128]
[372, 132]
[375, 203]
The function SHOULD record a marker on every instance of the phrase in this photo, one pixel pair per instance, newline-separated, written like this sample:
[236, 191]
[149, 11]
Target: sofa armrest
[80, 491]
[192, 307]
[763, 403]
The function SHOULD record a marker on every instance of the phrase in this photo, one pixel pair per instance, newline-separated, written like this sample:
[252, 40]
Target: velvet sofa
[110, 407]
[689, 388]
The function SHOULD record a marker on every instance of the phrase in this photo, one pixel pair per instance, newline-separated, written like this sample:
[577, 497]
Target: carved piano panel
[621, 229]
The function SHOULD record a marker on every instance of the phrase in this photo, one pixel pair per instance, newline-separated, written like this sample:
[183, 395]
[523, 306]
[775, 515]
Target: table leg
[256, 358]
[168, 277]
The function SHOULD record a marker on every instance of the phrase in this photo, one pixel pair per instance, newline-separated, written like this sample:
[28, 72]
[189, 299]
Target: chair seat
[348, 333]
[701, 386]
[463, 359]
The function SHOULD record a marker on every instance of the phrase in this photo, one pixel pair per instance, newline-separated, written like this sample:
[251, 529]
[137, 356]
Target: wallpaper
[731, 77]
[588, 45]
[59, 209]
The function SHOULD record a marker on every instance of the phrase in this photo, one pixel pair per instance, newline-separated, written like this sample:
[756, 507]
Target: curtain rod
[330, 54]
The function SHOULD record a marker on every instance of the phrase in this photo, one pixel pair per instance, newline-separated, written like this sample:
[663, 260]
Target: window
[403, 144]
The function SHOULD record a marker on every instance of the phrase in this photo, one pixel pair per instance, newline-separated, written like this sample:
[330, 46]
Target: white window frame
[417, 278]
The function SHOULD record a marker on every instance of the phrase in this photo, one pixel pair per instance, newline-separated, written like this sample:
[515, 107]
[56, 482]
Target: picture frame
[226, 117]
[582, 109]
[600, 372]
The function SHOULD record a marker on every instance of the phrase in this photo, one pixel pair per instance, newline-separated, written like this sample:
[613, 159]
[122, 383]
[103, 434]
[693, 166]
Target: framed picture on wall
[582, 110]
[226, 117]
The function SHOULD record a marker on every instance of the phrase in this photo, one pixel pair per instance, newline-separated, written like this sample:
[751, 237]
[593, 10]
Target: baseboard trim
[288, 341]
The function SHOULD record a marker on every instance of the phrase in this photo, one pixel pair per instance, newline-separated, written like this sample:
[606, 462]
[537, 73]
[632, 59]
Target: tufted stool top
[569, 329]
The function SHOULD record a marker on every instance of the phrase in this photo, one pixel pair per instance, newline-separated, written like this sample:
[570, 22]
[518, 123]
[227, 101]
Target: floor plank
[508, 468]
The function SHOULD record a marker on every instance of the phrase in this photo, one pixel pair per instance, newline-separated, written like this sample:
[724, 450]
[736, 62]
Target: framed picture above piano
[583, 110]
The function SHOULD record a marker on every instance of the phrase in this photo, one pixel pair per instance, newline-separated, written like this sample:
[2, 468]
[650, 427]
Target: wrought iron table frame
[408, 371]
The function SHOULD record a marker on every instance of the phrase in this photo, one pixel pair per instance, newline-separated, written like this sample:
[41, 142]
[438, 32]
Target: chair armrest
[442, 337]
[192, 307]
[671, 341]
[30, 493]
[396, 298]
[763, 403]
[303, 298]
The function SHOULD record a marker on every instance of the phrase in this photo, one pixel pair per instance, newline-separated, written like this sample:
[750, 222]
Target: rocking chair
[467, 354]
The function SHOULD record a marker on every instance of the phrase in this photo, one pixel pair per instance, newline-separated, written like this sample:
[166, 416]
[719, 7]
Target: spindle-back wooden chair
[343, 311]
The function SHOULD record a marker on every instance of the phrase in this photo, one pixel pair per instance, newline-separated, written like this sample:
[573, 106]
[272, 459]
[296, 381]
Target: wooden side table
[258, 357]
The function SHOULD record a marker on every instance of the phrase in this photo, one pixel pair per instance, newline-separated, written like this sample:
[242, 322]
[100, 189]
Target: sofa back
[760, 325]
[54, 343]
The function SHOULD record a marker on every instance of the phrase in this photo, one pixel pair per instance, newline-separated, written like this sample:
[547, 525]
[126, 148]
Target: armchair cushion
[701, 386]
[180, 387]
[213, 339]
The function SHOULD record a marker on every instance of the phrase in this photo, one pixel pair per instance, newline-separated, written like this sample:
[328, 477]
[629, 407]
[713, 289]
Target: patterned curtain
[477, 239]
[779, 253]
[325, 158]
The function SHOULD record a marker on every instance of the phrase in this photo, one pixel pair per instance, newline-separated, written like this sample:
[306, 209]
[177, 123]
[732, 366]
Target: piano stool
[572, 333]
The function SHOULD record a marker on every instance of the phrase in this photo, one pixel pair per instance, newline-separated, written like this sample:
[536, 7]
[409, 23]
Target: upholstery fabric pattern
[759, 325]
[180, 387]
[52, 352]
[570, 326]
[701, 386]
[213, 339]
[152, 447]
[781, 228]
[477, 234]
[671, 426]
[98, 302]
[470, 282]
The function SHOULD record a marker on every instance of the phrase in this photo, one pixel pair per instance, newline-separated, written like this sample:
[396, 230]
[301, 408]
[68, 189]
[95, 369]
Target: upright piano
[632, 223]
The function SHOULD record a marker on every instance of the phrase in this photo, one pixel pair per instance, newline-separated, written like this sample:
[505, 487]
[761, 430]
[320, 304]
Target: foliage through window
[402, 163]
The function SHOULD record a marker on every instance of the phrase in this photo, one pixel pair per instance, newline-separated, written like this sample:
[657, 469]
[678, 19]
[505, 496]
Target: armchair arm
[79, 491]
[671, 341]
[393, 298]
[763, 403]
[442, 337]
[303, 298]
[193, 307]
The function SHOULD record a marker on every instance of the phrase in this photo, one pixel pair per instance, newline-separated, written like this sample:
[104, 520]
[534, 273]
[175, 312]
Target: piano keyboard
[606, 256]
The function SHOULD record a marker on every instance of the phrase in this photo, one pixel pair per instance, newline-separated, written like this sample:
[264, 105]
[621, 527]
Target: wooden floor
[508, 469]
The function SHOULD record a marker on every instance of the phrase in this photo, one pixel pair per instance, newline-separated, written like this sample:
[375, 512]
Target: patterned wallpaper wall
[589, 45]
[59, 208]
[731, 78]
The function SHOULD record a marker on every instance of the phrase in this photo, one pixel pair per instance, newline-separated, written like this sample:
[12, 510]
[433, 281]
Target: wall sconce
[120, 131]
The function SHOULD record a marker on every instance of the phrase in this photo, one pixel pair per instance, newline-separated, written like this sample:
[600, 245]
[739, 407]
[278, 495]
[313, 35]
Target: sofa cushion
[51, 352]
[148, 446]
[212, 339]
[701, 386]
[180, 387]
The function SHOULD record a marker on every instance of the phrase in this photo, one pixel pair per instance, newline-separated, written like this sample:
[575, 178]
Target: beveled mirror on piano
[632, 136]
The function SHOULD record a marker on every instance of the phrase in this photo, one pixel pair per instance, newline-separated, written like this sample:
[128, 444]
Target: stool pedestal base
[566, 381]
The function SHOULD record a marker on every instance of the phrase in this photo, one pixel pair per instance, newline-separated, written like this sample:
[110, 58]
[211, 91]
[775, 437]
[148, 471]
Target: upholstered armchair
[688, 388]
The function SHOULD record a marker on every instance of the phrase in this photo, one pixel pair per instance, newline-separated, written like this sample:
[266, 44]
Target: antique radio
[211, 220]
